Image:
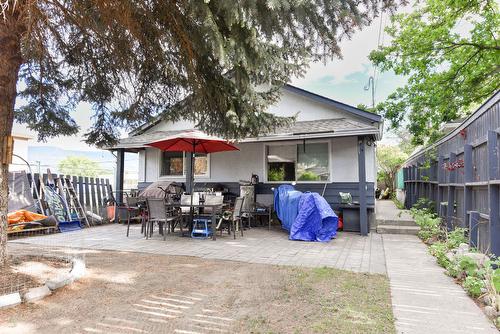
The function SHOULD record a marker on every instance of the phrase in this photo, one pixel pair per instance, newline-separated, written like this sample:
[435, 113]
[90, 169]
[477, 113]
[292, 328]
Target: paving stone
[10, 300]
[37, 293]
[59, 281]
[348, 251]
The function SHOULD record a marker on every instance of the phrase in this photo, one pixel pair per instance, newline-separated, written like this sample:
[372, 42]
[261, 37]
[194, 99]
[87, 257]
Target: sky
[340, 79]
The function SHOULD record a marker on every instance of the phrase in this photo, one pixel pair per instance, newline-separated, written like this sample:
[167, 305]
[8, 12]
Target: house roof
[372, 117]
[322, 128]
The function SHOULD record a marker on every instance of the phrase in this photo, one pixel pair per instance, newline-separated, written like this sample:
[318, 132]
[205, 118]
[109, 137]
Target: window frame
[295, 143]
[183, 176]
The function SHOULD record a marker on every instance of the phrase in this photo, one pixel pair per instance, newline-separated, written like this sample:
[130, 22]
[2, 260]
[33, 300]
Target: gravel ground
[141, 293]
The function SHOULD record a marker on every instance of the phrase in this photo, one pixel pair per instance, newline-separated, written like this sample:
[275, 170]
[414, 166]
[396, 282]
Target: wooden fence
[92, 192]
[460, 173]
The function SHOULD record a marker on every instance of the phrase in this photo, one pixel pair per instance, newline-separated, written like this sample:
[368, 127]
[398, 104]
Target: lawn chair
[157, 213]
[134, 212]
[232, 219]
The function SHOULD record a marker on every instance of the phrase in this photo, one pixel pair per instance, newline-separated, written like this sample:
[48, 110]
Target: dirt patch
[28, 271]
[140, 293]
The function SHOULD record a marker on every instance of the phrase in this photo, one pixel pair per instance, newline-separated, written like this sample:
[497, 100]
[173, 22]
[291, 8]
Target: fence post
[467, 178]
[451, 195]
[473, 228]
[439, 188]
[493, 192]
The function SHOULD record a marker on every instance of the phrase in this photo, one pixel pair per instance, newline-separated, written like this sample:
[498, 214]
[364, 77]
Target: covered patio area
[349, 251]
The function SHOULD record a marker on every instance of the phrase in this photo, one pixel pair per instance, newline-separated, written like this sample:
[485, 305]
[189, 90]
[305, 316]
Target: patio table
[254, 214]
[215, 209]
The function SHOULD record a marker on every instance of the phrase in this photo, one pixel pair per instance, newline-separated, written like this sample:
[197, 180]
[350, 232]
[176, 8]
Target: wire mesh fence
[32, 265]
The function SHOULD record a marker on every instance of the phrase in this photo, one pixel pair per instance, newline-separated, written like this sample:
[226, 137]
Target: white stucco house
[330, 149]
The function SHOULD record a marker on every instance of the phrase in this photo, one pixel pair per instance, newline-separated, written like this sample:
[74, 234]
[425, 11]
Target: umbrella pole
[191, 176]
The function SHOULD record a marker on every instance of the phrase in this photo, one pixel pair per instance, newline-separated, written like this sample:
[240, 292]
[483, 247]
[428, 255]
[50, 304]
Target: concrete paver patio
[348, 251]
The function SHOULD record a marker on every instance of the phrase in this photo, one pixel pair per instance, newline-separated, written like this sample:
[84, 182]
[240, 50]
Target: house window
[201, 164]
[312, 162]
[298, 162]
[173, 164]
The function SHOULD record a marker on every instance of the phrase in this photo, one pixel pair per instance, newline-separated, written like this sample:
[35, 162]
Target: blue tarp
[307, 216]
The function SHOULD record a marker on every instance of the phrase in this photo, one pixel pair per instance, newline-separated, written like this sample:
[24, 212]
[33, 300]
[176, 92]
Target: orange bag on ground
[23, 216]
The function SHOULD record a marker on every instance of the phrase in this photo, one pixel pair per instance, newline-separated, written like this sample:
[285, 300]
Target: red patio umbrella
[193, 141]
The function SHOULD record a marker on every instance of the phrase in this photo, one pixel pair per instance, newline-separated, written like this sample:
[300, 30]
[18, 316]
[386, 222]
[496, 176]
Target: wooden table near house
[216, 208]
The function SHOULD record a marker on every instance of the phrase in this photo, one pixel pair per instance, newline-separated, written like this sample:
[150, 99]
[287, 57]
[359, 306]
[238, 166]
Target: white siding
[306, 109]
[290, 104]
[235, 166]
[345, 159]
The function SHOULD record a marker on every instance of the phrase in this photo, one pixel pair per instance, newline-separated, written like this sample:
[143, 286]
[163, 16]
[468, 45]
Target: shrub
[276, 174]
[473, 286]
[469, 266]
[496, 279]
[456, 237]
[430, 225]
[439, 250]
[425, 204]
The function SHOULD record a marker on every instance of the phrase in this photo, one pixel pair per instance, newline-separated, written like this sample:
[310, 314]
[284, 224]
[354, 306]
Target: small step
[398, 222]
[397, 229]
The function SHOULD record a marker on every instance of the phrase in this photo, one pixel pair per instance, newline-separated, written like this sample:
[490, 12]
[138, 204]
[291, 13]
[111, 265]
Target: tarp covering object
[286, 205]
[315, 220]
[307, 216]
[23, 216]
[21, 219]
[20, 196]
[154, 191]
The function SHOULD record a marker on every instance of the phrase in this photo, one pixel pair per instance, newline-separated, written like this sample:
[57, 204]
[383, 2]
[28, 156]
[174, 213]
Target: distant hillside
[49, 157]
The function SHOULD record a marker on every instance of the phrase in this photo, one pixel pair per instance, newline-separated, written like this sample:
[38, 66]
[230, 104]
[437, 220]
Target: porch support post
[120, 163]
[494, 192]
[363, 214]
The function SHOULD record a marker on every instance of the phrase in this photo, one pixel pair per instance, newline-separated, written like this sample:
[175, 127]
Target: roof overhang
[291, 136]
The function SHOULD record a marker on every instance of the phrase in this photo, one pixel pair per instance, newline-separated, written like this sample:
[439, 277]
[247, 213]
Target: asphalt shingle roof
[327, 127]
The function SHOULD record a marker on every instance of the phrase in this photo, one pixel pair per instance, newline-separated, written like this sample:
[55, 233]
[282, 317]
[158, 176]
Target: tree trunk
[10, 62]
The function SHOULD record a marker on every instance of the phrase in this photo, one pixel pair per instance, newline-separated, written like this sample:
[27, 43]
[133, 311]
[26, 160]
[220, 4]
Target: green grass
[326, 300]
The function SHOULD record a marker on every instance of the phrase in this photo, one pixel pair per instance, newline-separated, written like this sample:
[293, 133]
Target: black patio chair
[134, 212]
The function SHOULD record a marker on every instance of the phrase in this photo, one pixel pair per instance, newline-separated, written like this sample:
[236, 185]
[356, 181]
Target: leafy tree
[449, 51]
[390, 159]
[134, 60]
[366, 108]
[80, 166]
[405, 145]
